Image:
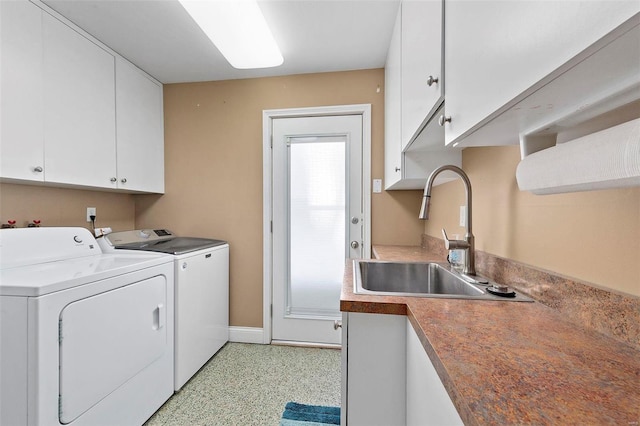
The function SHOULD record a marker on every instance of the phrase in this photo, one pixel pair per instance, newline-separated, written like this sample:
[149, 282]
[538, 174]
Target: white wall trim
[267, 118]
[246, 335]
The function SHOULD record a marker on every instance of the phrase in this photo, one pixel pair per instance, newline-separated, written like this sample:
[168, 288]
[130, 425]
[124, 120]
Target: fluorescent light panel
[238, 29]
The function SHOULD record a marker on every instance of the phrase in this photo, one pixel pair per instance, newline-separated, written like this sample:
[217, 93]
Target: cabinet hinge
[271, 140]
[271, 226]
[59, 331]
[271, 310]
[59, 406]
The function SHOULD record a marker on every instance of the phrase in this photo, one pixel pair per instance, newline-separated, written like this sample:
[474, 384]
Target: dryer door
[108, 338]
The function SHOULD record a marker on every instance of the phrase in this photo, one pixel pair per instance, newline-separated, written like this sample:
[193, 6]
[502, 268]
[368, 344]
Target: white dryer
[86, 337]
[201, 291]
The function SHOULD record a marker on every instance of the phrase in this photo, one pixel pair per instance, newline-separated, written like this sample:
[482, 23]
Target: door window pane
[317, 215]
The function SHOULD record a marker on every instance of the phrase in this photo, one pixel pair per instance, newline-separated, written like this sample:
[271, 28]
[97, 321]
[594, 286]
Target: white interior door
[318, 213]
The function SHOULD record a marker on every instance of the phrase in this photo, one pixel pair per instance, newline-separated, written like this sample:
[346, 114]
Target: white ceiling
[314, 36]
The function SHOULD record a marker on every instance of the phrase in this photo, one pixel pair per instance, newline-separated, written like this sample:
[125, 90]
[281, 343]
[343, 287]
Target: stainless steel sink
[418, 279]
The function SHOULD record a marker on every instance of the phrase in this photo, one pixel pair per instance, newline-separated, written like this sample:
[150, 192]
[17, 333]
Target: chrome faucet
[468, 244]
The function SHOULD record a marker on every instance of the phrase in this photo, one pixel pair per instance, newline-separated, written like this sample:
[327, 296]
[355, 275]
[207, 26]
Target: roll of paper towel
[606, 159]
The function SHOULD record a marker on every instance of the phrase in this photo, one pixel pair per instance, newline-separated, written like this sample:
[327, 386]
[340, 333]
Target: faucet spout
[469, 240]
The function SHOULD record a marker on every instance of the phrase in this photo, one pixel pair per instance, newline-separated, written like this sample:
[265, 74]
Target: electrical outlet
[91, 211]
[463, 215]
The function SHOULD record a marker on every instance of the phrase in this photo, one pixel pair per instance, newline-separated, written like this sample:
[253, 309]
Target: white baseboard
[246, 335]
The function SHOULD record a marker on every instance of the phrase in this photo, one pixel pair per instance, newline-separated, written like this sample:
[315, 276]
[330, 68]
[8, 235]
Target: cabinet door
[79, 115]
[428, 402]
[375, 375]
[421, 59]
[140, 130]
[21, 138]
[392, 112]
[497, 50]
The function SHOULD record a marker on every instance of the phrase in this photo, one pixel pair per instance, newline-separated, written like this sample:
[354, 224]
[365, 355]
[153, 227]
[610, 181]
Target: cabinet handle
[337, 324]
[431, 80]
[123, 180]
[397, 169]
[442, 119]
[38, 169]
[113, 180]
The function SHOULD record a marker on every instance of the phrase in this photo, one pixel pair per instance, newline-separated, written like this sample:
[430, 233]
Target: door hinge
[59, 406]
[271, 310]
[271, 226]
[59, 331]
[271, 140]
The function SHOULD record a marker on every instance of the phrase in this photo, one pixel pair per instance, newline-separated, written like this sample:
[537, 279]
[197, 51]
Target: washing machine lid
[175, 246]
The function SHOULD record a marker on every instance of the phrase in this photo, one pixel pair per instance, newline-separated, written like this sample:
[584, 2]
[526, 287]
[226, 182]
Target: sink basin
[418, 279]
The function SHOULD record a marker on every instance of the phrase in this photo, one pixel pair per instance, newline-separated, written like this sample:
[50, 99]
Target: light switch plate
[377, 186]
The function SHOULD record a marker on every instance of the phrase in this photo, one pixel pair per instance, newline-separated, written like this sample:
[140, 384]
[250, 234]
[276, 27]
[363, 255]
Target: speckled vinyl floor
[246, 384]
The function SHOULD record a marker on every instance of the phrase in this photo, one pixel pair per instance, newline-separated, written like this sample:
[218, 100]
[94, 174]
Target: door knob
[355, 244]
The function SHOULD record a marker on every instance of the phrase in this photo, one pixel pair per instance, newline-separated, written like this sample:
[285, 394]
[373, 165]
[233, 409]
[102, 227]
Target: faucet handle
[446, 239]
[453, 244]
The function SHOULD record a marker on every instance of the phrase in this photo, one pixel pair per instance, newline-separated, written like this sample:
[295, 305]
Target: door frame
[268, 116]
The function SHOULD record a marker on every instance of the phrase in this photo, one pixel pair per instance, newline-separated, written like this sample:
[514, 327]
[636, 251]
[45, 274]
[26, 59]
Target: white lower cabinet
[387, 378]
[428, 402]
[374, 350]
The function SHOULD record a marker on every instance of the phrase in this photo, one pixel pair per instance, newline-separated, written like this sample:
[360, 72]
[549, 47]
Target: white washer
[86, 337]
[201, 292]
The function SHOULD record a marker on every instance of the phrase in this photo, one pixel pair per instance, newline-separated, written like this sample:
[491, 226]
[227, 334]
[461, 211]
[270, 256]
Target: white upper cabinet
[421, 58]
[497, 53]
[140, 130]
[79, 115]
[392, 113]
[73, 112]
[414, 143]
[21, 112]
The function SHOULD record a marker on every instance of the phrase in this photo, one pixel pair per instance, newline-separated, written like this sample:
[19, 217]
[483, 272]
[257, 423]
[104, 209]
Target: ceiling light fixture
[238, 29]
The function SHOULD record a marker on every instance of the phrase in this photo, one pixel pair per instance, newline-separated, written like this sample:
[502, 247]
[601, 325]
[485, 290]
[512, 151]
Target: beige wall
[65, 207]
[593, 236]
[213, 163]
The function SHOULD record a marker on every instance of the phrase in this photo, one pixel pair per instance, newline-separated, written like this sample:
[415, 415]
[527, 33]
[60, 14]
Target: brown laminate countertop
[506, 363]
